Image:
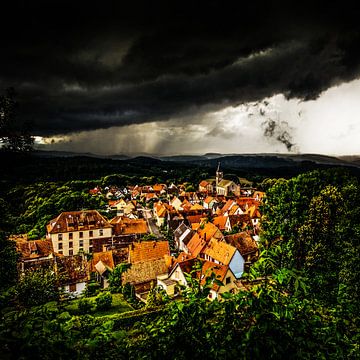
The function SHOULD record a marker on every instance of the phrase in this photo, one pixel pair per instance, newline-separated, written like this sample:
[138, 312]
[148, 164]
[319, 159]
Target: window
[60, 237]
[72, 287]
[60, 252]
[227, 281]
[101, 232]
[81, 234]
[90, 242]
[70, 244]
[90, 250]
[70, 236]
[81, 243]
[91, 233]
[60, 246]
[71, 252]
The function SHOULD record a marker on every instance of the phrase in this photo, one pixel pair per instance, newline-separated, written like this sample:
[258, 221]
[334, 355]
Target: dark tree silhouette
[14, 135]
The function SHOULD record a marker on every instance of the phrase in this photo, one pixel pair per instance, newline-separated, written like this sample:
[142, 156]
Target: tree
[37, 288]
[14, 136]
[8, 262]
[115, 277]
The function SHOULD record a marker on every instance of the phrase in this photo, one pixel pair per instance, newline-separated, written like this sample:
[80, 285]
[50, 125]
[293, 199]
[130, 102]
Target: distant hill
[53, 166]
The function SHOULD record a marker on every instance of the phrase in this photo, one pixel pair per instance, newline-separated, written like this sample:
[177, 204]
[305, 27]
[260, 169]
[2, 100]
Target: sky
[185, 77]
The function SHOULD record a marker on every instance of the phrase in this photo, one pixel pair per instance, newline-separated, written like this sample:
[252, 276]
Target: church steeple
[219, 175]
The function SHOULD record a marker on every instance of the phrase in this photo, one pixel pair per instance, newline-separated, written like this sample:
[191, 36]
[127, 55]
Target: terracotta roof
[194, 218]
[144, 271]
[148, 250]
[253, 211]
[234, 209]
[158, 187]
[228, 205]
[220, 222]
[126, 226]
[195, 226]
[72, 269]
[243, 242]
[204, 183]
[208, 268]
[77, 220]
[30, 249]
[220, 272]
[242, 220]
[202, 236]
[208, 199]
[220, 251]
[150, 196]
[105, 257]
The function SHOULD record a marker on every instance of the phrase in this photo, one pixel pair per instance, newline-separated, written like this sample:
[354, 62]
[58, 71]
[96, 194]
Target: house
[160, 188]
[246, 245]
[222, 253]
[209, 202]
[228, 206]
[118, 206]
[222, 222]
[95, 191]
[125, 227]
[196, 208]
[102, 264]
[182, 236]
[176, 203]
[241, 222]
[32, 249]
[148, 260]
[160, 213]
[148, 250]
[202, 236]
[207, 186]
[73, 273]
[178, 276]
[76, 231]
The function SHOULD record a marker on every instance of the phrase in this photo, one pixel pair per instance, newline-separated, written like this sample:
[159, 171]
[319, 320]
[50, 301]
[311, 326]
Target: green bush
[85, 306]
[103, 301]
[92, 289]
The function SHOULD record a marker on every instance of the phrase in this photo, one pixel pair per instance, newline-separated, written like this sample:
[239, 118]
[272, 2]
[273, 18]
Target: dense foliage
[300, 299]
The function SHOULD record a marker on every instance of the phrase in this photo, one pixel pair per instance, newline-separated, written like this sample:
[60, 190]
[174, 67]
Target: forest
[301, 300]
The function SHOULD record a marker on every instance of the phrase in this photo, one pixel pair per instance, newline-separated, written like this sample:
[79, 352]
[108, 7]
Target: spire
[218, 169]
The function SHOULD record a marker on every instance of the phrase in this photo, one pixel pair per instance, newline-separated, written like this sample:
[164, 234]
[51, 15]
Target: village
[159, 232]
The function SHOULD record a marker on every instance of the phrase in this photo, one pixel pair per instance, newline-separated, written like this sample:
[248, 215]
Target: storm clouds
[90, 66]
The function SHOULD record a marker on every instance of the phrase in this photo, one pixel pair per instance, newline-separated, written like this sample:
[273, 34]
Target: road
[147, 214]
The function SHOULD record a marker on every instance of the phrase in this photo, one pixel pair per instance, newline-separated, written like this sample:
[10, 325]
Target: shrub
[85, 306]
[103, 301]
[91, 289]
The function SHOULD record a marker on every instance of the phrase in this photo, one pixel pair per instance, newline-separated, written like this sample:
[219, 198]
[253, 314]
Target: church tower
[219, 175]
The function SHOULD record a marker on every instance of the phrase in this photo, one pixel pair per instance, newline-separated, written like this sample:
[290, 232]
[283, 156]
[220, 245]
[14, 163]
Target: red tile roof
[106, 257]
[77, 220]
[31, 249]
[220, 251]
[220, 222]
[148, 250]
[126, 226]
[243, 242]
[202, 237]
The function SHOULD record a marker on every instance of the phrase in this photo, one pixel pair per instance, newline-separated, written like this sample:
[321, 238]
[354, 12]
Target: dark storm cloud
[83, 66]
